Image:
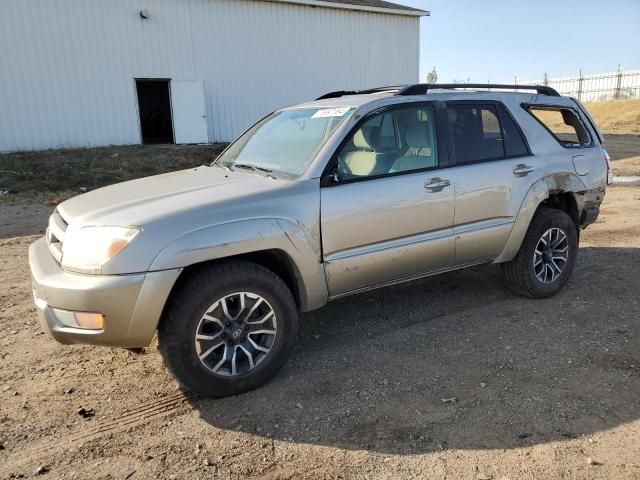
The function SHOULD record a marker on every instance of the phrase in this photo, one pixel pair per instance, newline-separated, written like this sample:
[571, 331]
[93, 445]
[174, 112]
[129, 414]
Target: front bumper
[131, 304]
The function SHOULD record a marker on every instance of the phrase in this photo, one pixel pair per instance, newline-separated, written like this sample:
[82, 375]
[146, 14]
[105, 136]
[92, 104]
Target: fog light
[90, 321]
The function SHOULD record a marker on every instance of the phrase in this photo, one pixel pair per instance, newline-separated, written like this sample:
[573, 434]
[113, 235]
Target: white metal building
[79, 73]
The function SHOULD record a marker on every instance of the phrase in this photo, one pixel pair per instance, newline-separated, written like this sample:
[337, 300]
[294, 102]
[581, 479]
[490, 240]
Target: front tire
[546, 258]
[228, 329]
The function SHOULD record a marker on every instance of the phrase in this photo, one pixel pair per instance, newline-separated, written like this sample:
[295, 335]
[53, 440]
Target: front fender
[248, 236]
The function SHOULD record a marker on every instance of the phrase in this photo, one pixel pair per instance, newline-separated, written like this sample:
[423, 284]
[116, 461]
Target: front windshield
[285, 141]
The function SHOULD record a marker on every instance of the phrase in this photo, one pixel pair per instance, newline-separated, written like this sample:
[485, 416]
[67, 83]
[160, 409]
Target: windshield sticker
[331, 112]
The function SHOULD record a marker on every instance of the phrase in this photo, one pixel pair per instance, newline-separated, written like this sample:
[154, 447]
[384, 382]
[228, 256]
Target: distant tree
[432, 76]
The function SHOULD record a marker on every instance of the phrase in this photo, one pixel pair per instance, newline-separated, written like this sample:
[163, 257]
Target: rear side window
[483, 133]
[514, 144]
[563, 123]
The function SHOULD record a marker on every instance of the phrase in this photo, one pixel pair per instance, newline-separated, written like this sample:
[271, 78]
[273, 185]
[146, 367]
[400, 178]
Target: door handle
[522, 169]
[436, 184]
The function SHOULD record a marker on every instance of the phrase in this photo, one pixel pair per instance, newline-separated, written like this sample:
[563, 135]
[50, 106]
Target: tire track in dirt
[178, 402]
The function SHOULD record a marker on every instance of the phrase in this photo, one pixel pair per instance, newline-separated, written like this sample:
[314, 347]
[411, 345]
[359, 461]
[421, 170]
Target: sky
[497, 40]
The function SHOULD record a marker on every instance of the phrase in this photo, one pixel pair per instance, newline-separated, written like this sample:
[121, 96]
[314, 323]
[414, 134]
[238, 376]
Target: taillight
[607, 161]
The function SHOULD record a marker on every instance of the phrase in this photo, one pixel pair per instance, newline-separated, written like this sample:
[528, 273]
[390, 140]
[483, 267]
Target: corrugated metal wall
[67, 67]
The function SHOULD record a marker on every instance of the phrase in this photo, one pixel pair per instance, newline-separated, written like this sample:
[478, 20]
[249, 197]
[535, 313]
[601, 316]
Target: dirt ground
[540, 386]
[446, 377]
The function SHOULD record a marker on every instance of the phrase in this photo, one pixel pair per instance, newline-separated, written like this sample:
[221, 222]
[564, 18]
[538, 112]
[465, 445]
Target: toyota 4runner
[353, 191]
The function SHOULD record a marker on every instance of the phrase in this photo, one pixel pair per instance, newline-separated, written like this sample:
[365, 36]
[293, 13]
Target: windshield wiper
[248, 166]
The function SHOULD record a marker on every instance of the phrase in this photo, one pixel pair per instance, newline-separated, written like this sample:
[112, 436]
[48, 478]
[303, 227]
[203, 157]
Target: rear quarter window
[563, 123]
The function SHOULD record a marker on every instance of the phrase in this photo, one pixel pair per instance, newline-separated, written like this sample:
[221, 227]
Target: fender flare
[230, 239]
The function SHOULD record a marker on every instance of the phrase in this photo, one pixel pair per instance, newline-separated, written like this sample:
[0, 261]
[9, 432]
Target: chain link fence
[596, 87]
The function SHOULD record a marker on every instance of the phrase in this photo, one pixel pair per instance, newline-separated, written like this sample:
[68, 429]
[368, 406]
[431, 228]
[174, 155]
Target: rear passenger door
[493, 171]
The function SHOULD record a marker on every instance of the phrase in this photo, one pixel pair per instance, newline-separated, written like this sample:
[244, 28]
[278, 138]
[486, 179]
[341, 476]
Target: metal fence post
[580, 86]
[616, 93]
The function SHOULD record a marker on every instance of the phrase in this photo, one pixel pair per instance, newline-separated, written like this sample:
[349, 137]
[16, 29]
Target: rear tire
[220, 322]
[546, 258]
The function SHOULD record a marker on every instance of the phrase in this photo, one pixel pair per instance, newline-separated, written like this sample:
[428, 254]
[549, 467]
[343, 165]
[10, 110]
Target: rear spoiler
[594, 127]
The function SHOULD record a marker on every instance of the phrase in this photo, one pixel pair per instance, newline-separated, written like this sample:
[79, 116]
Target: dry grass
[66, 172]
[618, 116]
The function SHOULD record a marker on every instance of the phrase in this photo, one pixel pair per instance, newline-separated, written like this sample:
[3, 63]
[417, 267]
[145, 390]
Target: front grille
[55, 234]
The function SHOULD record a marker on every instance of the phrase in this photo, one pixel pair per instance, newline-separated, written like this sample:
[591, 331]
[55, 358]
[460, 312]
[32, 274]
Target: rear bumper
[589, 215]
[131, 304]
[589, 205]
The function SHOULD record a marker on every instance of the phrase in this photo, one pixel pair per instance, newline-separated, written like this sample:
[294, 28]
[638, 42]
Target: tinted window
[514, 144]
[564, 125]
[395, 141]
[476, 132]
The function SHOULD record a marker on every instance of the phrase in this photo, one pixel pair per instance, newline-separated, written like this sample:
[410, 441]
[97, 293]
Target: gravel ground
[447, 377]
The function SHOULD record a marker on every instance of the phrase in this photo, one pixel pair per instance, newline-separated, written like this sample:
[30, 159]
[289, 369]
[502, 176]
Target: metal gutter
[350, 6]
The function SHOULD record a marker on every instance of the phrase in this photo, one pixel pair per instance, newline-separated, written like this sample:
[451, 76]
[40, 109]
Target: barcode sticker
[331, 112]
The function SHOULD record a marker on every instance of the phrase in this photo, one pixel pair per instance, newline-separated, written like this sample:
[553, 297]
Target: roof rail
[341, 93]
[423, 88]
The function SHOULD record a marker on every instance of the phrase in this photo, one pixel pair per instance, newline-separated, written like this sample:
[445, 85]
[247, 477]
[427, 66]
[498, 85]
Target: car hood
[146, 200]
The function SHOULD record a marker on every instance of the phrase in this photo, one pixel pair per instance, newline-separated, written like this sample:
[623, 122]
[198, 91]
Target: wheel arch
[278, 244]
[556, 191]
[565, 201]
[276, 260]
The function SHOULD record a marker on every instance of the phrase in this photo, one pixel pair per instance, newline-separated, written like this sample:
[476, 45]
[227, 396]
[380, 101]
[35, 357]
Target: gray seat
[420, 154]
[364, 159]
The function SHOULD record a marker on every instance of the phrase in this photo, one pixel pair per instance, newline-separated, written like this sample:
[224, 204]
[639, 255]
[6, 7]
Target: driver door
[388, 214]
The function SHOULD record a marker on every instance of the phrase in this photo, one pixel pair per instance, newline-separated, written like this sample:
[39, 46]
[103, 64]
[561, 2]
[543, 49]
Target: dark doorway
[154, 105]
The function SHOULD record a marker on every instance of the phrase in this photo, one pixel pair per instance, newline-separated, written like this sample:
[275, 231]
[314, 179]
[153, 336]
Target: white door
[189, 117]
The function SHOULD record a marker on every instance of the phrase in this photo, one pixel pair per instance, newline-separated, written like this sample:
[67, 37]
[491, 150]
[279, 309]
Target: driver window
[395, 141]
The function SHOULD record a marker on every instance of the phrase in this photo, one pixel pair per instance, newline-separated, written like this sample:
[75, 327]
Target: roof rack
[342, 93]
[423, 88]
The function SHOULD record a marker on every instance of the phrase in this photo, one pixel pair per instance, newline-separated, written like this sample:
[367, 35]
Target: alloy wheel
[236, 334]
[551, 255]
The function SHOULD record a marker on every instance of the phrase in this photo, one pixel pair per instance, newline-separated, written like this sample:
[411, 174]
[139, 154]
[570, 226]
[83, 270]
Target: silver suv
[353, 191]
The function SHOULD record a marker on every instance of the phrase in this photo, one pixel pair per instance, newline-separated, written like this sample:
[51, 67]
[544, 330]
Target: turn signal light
[90, 321]
[607, 161]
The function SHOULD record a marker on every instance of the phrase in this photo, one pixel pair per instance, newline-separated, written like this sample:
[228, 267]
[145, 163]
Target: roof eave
[364, 8]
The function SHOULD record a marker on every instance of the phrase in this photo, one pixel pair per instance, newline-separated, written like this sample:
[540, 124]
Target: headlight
[91, 247]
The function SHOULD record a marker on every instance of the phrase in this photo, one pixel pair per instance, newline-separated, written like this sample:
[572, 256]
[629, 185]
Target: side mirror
[331, 178]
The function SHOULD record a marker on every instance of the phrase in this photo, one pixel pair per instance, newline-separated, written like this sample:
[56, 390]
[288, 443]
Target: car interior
[390, 142]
